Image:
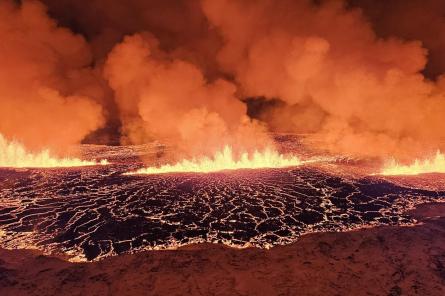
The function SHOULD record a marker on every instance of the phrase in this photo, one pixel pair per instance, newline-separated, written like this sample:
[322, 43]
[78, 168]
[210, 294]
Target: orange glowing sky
[205, 74]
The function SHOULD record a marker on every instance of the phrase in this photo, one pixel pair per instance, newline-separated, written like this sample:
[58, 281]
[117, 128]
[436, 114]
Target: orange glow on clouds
[225, 160]
[14, 155]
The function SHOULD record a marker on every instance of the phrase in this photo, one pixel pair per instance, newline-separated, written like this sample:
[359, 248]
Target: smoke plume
[354, 92]
[412, 20]
[160, 97]
[356, 77]
[47, 90]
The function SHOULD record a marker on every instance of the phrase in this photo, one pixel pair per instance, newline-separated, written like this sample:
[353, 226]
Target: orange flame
[224, 160]
[14, 154]
[433, 165]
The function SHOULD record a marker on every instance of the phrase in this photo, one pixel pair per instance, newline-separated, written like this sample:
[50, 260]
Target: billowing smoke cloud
[180, 26]
[421, 20]
[356, 93]
[47, 91]
[160, 97]
[353, 75]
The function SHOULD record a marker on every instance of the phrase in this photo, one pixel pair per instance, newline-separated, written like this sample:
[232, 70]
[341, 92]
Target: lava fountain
[14, 154]
[433, 165]
[225, 160]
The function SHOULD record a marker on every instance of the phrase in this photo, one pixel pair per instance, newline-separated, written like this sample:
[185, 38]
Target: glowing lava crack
[225, 160]
[14, 155]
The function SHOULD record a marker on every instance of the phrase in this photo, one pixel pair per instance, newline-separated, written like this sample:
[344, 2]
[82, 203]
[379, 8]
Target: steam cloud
[356, 93]
[48, 94]
[162, 97]
[359, 78]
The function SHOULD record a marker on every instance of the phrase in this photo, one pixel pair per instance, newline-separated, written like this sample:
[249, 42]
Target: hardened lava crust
[93, 212]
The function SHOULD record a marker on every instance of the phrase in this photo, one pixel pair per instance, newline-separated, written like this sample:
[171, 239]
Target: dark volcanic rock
[97, 212]
[387, 260]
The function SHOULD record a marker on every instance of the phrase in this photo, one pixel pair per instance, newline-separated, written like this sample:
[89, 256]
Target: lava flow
[225, 160]
[14, 154]
[433, 165]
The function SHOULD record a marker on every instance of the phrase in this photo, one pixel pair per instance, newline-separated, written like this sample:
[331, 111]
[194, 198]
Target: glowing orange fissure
[15, 155]
[435, 164]
[225, 160]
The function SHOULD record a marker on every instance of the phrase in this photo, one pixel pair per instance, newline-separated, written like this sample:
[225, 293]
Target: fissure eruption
[212, 73]
[226, 160]
[15, 155]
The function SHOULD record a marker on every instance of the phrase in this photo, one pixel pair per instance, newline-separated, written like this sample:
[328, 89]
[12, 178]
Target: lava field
[93, 212]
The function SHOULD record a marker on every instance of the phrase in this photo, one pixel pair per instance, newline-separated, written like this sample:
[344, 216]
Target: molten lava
[14, 154]
[433, 165]
[225, 160]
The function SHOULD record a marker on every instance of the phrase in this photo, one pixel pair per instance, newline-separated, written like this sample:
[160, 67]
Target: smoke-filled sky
[359, 77]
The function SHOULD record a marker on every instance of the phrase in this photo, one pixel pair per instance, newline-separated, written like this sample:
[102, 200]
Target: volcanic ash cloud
[45, 82]
[353, 91]
[161, 97]
[180, 71]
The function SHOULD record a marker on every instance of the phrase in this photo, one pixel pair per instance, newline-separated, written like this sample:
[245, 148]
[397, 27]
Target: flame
[224, 160]
[434, 165]
[14, 154]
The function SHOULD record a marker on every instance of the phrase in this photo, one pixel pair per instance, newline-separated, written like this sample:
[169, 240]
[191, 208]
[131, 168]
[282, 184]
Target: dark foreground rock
[386, 260]
[97, 212]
